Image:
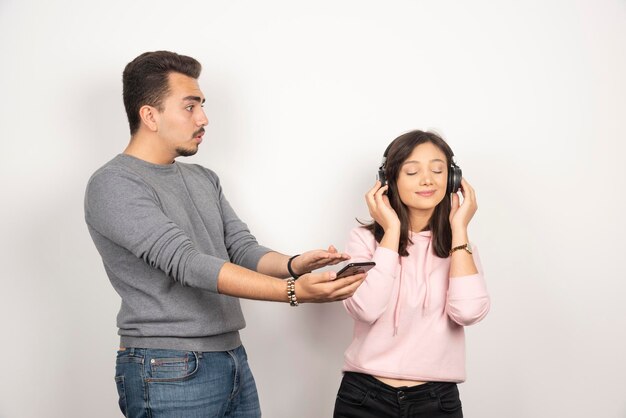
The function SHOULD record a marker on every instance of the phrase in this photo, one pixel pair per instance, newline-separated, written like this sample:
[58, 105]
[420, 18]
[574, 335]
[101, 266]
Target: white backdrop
[303, 97]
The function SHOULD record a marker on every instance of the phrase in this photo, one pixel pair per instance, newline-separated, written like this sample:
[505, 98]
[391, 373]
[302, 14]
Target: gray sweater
[164, 232]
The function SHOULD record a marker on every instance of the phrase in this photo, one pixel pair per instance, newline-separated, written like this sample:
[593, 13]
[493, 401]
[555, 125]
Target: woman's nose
[427, 178]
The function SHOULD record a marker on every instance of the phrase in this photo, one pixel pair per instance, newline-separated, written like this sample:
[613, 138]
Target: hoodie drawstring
[427, 270]
[396, 315]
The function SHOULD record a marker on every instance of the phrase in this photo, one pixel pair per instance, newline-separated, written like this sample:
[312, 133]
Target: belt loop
[132, 351]
[199, 354]
[432, 393]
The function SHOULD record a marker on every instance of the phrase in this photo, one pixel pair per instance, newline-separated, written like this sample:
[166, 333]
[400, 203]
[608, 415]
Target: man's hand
[313, 260]
[323, 287]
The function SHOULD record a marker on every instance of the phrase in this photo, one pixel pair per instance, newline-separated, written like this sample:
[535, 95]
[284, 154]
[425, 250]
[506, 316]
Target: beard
[186, 152]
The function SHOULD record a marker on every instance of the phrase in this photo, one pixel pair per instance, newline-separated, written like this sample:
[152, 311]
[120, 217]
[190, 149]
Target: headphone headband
[454, 172]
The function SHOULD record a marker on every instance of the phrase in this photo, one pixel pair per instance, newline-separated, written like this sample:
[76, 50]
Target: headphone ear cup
[382, 178]
[454, 178]
[383, 165]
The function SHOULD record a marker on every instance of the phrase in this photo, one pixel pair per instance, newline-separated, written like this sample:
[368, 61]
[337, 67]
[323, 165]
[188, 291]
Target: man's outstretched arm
[275, 263]
[234, 280]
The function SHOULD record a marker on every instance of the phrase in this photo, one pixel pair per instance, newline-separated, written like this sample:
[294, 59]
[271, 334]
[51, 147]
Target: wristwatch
[467, 247]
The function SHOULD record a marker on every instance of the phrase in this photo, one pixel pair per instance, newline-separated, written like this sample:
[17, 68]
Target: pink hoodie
[409, 324]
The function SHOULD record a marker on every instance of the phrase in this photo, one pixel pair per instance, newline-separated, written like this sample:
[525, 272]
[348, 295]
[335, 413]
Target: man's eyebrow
[194, 99]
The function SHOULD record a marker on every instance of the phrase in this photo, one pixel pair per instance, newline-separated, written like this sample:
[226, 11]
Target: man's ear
[147, 115]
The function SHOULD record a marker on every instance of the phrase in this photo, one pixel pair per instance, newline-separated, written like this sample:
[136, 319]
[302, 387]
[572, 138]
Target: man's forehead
[185, 88]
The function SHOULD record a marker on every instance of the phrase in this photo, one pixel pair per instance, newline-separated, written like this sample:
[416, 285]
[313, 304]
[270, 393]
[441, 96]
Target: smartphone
[351, 269]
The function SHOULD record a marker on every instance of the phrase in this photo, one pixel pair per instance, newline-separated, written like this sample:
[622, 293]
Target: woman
[408, 348]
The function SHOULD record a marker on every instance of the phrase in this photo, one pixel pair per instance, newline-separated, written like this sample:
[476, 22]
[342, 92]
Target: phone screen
[355, 268]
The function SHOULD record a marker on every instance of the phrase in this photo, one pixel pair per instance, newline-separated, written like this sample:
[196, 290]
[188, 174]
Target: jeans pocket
[125, 356]
[172, 368]
[449, 401]
[351, 394]
[121, 393]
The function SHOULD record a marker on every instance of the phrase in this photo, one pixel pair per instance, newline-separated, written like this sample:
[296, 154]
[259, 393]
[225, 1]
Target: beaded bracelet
[291, 292]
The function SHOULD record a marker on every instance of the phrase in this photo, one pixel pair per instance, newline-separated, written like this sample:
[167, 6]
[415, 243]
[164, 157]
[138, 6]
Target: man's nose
[202, 119]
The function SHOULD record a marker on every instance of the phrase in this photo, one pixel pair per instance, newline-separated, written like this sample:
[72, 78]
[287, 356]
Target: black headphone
[454, 174]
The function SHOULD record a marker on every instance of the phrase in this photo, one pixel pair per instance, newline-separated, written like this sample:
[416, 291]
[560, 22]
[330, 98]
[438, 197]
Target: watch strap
[465, 247]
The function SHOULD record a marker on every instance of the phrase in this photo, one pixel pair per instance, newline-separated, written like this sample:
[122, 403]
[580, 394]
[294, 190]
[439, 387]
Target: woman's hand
[462, 213]
[380, 208]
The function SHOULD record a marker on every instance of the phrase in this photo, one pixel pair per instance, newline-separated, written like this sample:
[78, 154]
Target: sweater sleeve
[242, 246]
[125, 210]
[371, 299]
[468, 301]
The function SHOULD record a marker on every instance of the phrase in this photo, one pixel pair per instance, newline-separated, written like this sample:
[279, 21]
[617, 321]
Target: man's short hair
[145, 81]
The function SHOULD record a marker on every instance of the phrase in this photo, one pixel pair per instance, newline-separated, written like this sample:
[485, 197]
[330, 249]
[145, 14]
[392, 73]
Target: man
[180, 258]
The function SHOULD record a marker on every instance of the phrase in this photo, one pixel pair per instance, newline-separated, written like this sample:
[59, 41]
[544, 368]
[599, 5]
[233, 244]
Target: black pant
[363, 396]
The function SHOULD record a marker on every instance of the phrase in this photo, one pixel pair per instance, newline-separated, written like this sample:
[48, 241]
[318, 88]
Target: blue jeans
[156, 383]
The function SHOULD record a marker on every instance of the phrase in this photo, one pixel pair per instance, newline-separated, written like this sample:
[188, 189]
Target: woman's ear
[148, 117]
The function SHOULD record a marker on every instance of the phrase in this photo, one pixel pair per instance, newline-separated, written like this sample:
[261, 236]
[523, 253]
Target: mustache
[198, 132]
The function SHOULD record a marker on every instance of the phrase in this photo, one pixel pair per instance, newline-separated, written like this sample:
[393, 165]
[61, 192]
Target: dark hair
[439, 223]
[145, 81]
